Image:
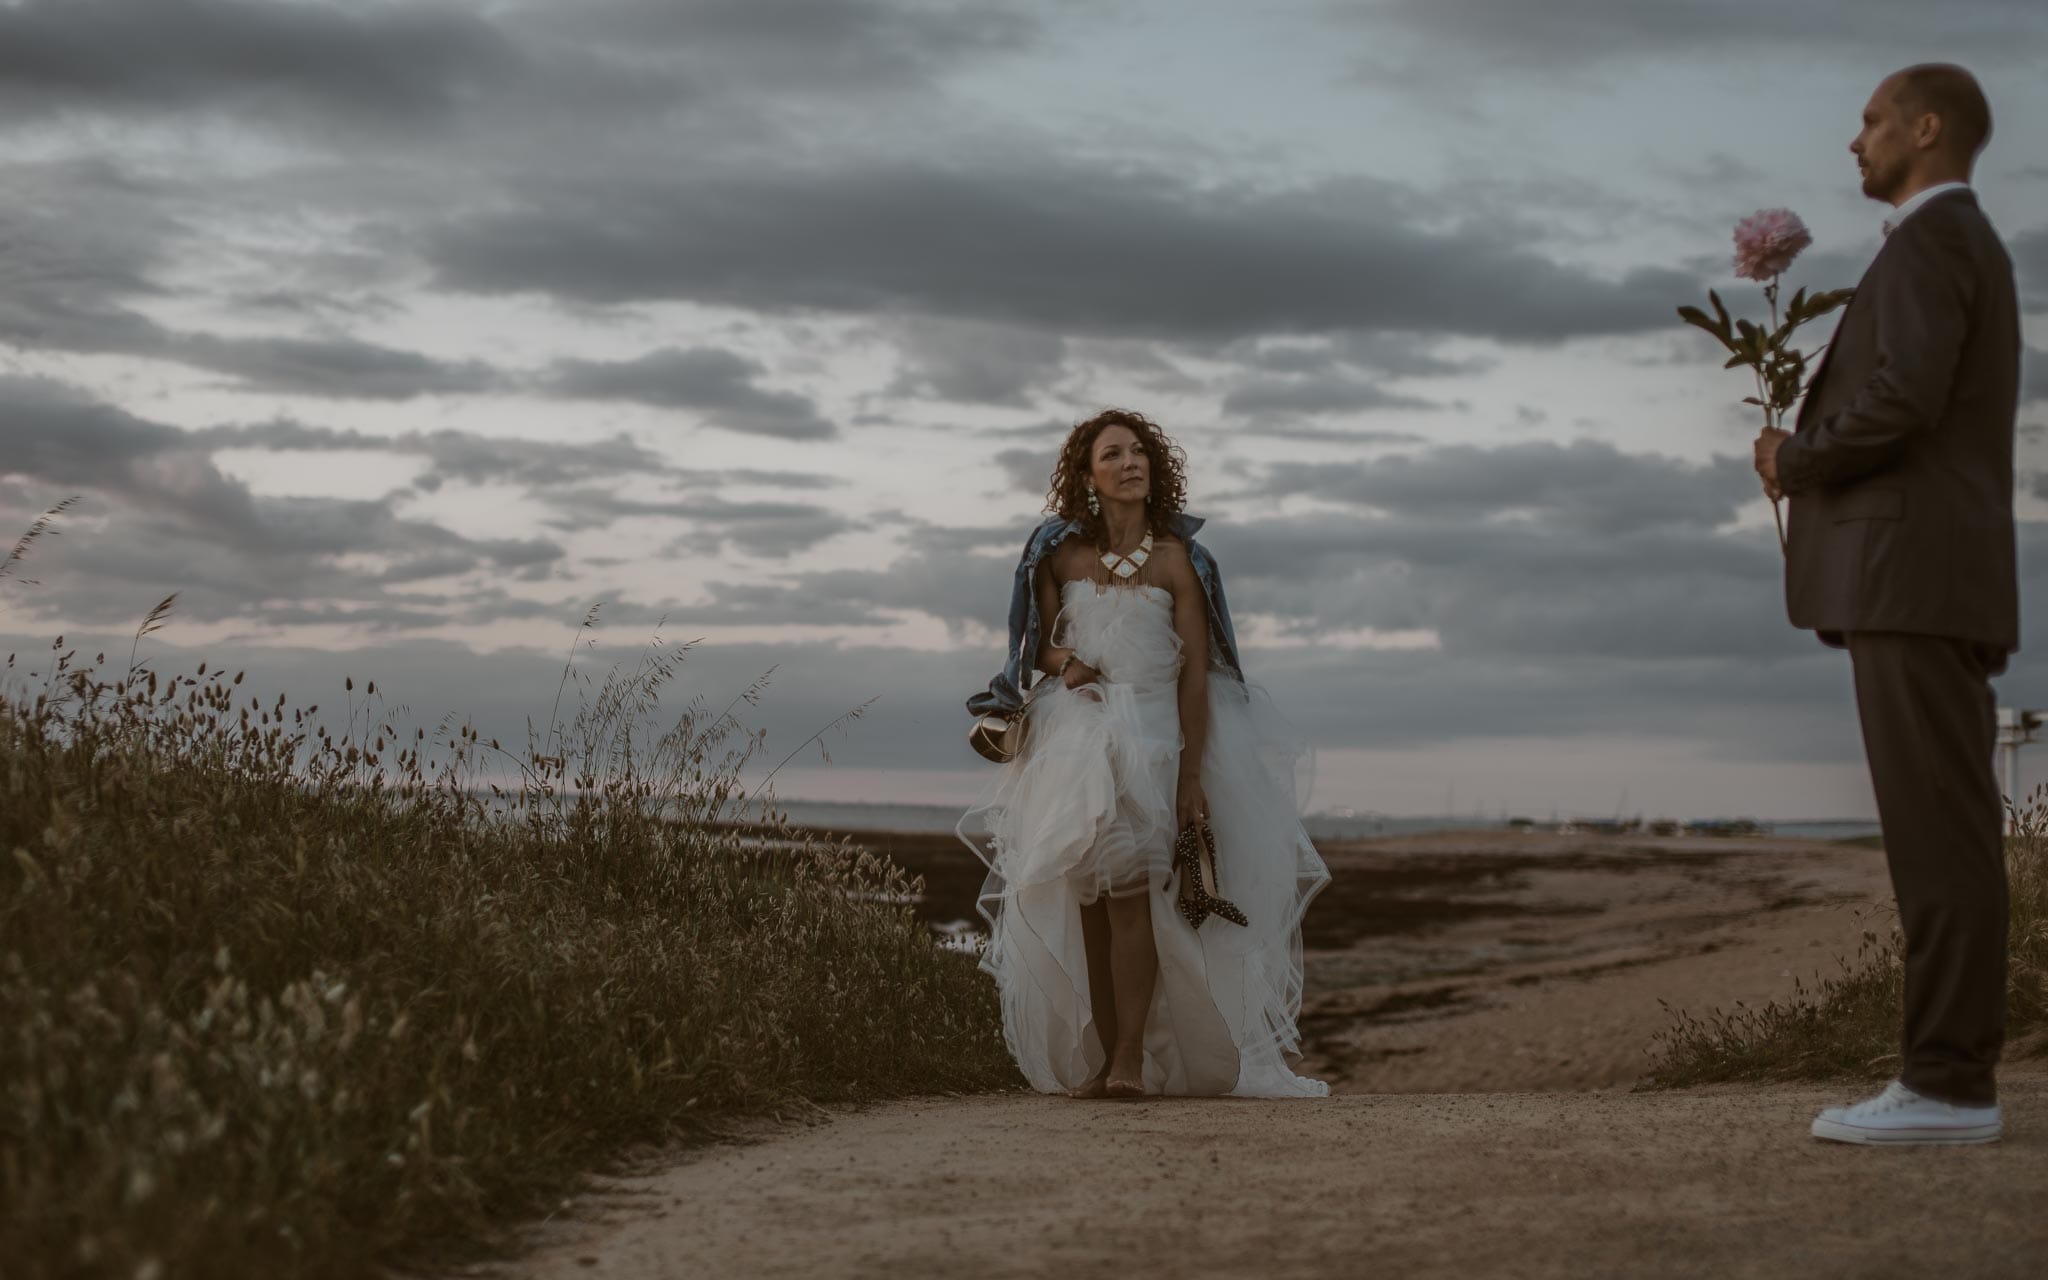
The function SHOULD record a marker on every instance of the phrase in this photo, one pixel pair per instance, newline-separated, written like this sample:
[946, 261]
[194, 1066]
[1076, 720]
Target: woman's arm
[1052, 659]
[1191, 623]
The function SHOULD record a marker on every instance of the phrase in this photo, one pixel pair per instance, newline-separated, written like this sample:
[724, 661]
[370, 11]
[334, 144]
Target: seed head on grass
[1847, 1026]
[297, 1005]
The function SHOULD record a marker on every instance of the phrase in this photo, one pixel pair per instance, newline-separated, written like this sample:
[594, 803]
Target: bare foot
[1097, 1086]
[1124, 1079]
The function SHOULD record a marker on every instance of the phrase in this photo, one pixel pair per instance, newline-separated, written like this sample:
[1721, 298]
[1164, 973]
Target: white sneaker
[1901, 1117]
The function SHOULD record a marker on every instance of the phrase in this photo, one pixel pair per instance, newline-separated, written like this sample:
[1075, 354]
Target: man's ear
[1927, 131]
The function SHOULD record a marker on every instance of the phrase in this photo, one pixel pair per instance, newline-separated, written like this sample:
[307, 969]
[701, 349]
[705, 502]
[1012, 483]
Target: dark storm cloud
[123, 554]
[941, 578]
[1315, 395]
[974, 363]
[78, 238]
[1027, 470]
[1146, 254]
[1562, 33]
[331, 367]
[815, 45]
[1007, 539]
[1526, 553]
[1370, 700]
[1286, 429]
[321, 68]
[1778, 696]
[771, 528]
[1537, 596]
[81, 241]
[461, 456]
[1791, 709]
[716, 383]
[2030, 264]
[51, 433]
[1585, 484]
[1511, 590]
[391, 63]
[913, 722]
[468, 457]
[743, 604]
[1389, 355]
[167, 518]
[774, 531]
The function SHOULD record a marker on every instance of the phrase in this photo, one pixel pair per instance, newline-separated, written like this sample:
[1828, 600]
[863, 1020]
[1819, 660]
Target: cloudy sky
[393, 336]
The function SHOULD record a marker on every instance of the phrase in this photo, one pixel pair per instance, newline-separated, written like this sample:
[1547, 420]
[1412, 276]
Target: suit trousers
[1929, 731]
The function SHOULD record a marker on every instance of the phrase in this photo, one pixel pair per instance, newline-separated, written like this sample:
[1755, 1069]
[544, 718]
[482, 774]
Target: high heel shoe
[1194, 856]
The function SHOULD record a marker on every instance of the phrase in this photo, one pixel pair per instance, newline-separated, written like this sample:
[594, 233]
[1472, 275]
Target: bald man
[1901, 550]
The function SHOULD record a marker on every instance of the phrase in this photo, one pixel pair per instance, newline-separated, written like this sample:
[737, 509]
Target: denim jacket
[1005, 693]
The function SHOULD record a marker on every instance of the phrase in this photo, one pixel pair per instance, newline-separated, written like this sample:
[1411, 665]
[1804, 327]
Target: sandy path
[1720, 1183]
[1552, 980]
[1480, 1002]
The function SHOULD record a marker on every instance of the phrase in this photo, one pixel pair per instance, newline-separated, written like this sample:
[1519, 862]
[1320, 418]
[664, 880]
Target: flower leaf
[1822, 303]
[1698, 319]
[1722, 312]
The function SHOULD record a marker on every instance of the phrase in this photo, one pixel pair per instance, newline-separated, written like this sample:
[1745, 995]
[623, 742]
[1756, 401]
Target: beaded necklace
[1126, 567]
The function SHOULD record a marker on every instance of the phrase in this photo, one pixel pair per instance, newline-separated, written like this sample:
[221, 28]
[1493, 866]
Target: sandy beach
[1482, 1004]
[1489, 961]
[1474, 961]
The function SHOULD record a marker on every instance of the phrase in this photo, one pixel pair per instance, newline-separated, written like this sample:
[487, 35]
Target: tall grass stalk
[284, 1004]
[44, 526]
[1847, 1026]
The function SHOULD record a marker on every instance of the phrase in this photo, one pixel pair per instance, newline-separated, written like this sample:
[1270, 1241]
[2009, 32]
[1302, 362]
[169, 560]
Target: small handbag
[999, 738]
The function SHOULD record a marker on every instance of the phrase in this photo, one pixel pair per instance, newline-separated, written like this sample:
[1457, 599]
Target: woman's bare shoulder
[1170, 561]
[1171, 551]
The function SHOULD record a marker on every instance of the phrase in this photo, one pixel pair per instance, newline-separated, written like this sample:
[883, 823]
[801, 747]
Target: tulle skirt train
[1087, 810]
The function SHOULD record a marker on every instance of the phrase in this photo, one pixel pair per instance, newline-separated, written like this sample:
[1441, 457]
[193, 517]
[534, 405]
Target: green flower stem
[1771, 414]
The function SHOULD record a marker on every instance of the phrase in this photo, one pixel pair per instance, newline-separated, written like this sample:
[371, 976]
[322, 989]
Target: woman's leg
[1101, 990]
[1134, 969]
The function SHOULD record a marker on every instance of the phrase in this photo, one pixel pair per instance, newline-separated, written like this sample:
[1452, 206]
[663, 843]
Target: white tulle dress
[1088, 808]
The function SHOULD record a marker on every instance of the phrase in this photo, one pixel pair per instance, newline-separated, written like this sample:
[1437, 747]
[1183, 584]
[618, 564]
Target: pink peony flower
[1767, 241]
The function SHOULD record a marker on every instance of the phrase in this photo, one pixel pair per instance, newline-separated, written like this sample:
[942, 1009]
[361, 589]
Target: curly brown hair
[1068, 495]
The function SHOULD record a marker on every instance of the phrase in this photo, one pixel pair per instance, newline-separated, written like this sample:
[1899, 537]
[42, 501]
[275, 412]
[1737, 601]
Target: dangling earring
[1094, 503]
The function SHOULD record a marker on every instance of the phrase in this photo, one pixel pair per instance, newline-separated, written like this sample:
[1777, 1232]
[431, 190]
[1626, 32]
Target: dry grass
[1848, 1027]
[285, 1003]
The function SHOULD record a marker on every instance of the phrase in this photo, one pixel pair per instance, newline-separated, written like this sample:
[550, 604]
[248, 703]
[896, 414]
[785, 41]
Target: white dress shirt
[1907, 210]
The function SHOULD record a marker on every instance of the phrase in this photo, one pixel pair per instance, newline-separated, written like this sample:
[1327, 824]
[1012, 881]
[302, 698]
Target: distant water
[1321, 826]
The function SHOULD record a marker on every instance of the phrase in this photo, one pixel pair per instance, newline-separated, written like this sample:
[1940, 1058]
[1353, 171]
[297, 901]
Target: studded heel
[1194, 857]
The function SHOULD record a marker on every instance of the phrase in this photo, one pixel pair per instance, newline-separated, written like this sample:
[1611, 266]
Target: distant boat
[1728, 827]
[1603, 826]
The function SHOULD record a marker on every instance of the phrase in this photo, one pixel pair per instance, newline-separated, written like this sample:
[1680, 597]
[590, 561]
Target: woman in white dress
[1125, 969]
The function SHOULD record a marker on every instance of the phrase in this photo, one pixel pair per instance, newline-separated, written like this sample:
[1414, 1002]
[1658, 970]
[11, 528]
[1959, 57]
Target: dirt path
[1480, 1003]
[1720, 1183]
[1472, 963]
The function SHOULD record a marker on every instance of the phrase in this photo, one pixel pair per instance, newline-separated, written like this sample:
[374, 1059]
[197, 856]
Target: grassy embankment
[285, 1003]
[1847, 1027]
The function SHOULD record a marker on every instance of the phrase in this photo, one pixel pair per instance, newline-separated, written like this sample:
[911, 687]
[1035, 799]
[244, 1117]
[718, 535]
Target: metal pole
[2009, 751]
[2016, 728]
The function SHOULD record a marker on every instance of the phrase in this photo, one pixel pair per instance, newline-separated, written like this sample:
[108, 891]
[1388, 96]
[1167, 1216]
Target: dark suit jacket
[1901, 470]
